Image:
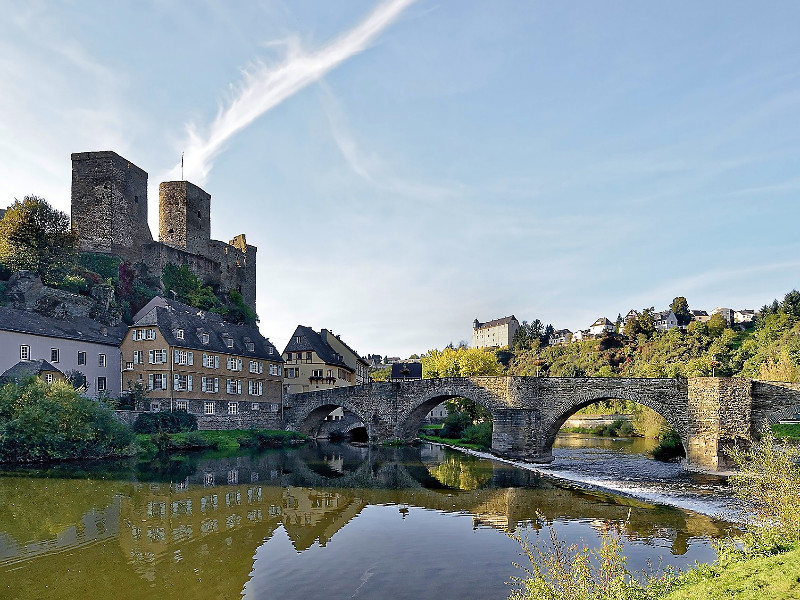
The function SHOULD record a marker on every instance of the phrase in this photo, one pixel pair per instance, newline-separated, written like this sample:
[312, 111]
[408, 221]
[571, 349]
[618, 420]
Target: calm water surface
[323, 521]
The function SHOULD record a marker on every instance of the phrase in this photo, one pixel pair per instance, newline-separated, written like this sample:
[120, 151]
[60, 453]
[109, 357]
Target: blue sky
[407, 166]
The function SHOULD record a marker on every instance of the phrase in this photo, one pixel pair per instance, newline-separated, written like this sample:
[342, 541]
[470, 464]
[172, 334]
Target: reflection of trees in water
[463, 472]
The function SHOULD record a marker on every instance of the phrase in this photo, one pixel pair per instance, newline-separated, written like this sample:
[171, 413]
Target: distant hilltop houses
[499, 333]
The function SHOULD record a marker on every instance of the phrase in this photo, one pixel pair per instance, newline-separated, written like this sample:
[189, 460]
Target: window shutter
[163, 382]
[151, 356]
[150, 380]
[202, 384]
[175, 357]
[260, 368]
[216, 384]
[176, 382]
[238, 364]
[191, 358]
[238, 386]
[260, 388]
[228, 386]
[205, 359]
[189, 382]
[216, 362]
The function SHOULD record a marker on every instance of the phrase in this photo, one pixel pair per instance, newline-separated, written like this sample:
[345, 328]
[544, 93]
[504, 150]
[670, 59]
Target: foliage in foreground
[559, 571]
[40, 421]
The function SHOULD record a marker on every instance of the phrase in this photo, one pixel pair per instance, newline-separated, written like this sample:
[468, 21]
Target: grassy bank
[756, 578]
[217, 440]
[787, 431]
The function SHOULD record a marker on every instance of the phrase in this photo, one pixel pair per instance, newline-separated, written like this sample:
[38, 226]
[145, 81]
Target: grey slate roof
[28, 368]
[359, 358]
[170, 316]
[79, 328]
[495, 322]
[311, 341]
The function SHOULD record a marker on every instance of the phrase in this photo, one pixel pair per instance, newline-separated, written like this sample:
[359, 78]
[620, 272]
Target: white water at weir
[621, 466]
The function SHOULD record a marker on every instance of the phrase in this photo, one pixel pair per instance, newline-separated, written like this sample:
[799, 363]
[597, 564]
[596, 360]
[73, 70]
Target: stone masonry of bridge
[711, 414]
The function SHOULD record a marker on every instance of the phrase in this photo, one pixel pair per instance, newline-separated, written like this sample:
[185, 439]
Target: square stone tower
[109, 204]
[184, 216]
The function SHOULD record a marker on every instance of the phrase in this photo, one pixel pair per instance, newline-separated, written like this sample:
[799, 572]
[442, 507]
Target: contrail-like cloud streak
[266, 86]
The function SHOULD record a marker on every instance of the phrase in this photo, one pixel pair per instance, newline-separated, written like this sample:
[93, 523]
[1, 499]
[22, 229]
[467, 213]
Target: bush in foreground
[40, 421]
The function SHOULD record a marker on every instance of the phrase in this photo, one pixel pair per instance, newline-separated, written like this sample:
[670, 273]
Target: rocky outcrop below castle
[25, 291]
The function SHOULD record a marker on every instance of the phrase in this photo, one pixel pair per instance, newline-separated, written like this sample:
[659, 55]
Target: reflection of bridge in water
[186, 533]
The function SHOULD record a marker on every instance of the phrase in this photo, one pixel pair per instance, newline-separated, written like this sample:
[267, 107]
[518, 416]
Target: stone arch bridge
[711, 414]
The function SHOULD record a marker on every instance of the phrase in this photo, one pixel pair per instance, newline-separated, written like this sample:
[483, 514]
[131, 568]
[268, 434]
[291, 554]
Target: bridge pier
[516, 433]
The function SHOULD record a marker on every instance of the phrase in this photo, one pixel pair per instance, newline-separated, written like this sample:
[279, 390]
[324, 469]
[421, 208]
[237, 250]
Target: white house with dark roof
[744, 316]
[601, 326]
[494, 334]
[79, 344]
[560, 336]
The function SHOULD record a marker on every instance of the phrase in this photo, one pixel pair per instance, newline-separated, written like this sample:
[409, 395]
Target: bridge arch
[552, 423]
[310, 418]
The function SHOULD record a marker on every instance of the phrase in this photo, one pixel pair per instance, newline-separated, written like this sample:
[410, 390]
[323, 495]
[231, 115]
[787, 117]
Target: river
[337, 521]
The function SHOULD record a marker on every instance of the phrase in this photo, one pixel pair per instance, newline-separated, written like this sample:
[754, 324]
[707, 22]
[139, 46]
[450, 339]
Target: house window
[151, 334]
[229, 342]
[81, 358]
[256, 367]
[54, 354]
[182, 383]
[101, 382]
[250, 346]
[48, 377]
[255, 406]
[101, 360]
[138, 357]
[183, 357]
[157, 381]
[298, 339]
[316, 373]
[155, 406]
[158, 357]
[179, 334]
[204, 338]
[308, 355]
[288, 356]
[208, 407]
[233, 408]
[210, 385]
[270, 349]
[24, 352]
[182, 405]
[210, 361]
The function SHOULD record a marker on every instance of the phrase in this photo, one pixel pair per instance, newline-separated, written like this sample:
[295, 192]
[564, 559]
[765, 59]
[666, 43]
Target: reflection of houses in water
[316, 515]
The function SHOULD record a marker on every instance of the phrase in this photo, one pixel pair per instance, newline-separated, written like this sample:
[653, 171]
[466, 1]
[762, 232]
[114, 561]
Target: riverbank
[231, 439]
[754, 578]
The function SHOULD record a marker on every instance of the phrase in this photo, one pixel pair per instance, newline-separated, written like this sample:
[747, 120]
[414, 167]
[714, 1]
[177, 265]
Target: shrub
[165, 421]
[455, 424]
[669, 447]
[480, 434]
[40, 421]
[769, 481]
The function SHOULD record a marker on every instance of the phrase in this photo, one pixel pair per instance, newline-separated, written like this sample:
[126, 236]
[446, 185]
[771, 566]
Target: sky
[405, 167]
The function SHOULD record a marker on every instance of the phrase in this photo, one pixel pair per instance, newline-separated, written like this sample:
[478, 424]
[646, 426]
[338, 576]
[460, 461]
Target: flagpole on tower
[182, 179]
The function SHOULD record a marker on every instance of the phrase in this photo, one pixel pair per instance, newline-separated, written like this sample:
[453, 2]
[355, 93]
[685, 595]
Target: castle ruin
[109, 211]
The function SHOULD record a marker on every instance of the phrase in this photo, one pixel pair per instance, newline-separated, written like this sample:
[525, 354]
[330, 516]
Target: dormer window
[229, 342]
[298, 339]
[250, 346]
[179, 334]
[204, 338]
[270, 350]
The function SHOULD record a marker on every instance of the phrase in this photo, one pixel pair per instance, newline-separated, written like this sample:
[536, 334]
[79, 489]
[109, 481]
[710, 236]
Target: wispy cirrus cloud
[266, 86]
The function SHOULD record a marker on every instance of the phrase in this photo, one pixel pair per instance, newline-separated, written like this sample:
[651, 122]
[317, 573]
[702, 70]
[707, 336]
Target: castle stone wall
[109, 204]
[184, 216]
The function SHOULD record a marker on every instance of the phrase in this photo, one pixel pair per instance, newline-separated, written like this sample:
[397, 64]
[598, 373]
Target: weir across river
[711, 414]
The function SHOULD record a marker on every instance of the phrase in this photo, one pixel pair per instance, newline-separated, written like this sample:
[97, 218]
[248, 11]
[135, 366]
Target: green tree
[791, 303]
[716, 325]
[681, 309]
[37, 237]
[642, 324]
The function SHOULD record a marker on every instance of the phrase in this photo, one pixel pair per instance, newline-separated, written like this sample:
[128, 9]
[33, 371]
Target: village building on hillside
[601, 326]
[726, 313]
[632, 314]
[664, 320]
[494, 334]
[700, 315]
[189, 359]
[580, 335]
[320, 361]
[32, 368]
[561, 336]
[77, 345]
[744, 316]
